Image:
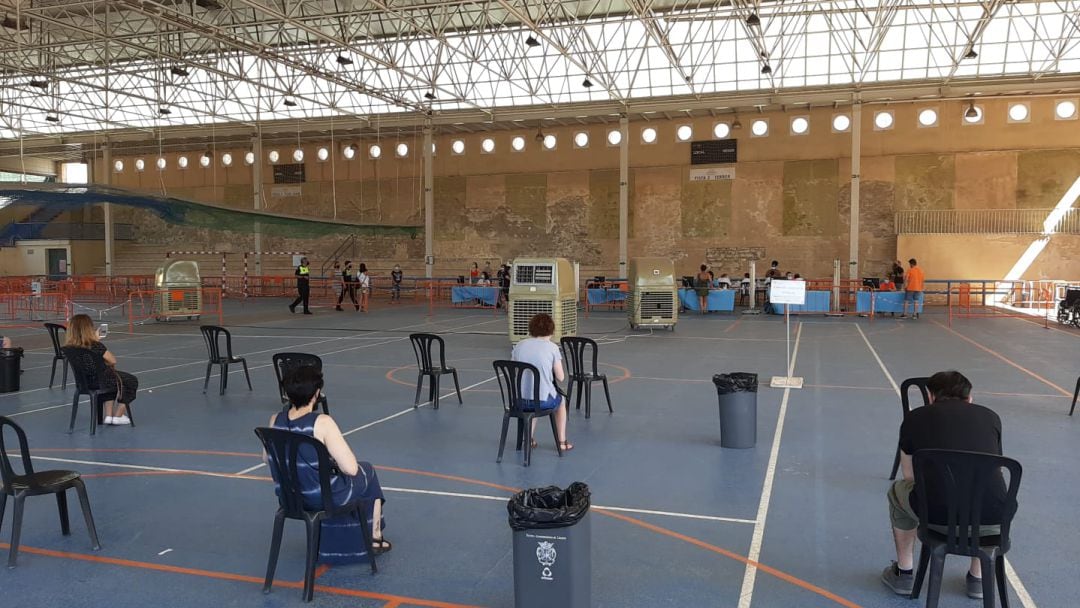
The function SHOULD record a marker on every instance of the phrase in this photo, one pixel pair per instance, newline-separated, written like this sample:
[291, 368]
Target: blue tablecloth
[816, 301]
[720, 300]
[462, 294]
[884, 301]
[605, 296]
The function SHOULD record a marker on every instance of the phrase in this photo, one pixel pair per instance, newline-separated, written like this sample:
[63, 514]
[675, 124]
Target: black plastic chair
[510, 374]
[905, 386]
[425, 364]
[89, 370]
[1076, 394]
[56, 332]
[285, 363]
[212, 335]
[30, 483]
[283, 448]
[575, 350]
[963, 480]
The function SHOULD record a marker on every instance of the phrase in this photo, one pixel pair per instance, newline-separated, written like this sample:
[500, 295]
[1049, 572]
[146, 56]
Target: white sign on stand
[787, 293]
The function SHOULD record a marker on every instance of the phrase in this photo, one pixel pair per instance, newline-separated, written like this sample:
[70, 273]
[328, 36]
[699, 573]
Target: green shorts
[903, 517]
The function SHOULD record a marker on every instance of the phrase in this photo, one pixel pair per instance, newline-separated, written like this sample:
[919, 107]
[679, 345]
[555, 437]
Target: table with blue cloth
[720, 300]
[884, 301]
[816, 301]
[468, 294]
[605, 296]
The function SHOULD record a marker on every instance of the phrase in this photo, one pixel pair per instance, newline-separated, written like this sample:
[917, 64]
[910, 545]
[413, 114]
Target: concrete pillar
[624, 193]
[429, 205]
[106, 158]
[856, 156]
[257, 195]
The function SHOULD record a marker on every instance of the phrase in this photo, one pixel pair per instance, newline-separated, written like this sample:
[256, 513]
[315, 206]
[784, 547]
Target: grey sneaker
[900, 583]
[974, 587]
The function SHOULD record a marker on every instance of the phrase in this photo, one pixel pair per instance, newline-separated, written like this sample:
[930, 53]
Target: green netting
[60, 198]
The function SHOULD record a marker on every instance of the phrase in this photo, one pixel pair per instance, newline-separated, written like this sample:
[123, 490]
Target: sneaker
[108, 420]
[916, 316]
[901, 583]
[292, 309]
[902, 317]
[357, 308]
[307, 312]
[338, 308]
[974, 587]
[121, 421]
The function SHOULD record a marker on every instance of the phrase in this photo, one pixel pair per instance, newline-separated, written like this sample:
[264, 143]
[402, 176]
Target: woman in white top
[541, 352]
[364, 283]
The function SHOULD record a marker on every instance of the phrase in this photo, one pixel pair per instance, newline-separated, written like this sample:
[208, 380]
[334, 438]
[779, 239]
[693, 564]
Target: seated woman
[81, 333]
[541, 352]
[342, 539]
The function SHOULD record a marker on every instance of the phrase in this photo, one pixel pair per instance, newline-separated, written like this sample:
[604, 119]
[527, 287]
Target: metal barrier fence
[32, 309]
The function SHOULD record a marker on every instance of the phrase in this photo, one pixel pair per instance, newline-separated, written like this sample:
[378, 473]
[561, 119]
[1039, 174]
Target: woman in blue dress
[342, 539]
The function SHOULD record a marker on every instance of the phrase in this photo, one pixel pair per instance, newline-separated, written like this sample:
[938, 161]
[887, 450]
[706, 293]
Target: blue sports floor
[184, 507]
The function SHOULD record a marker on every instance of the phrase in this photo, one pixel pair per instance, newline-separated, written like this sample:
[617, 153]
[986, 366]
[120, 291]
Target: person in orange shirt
[913, 289]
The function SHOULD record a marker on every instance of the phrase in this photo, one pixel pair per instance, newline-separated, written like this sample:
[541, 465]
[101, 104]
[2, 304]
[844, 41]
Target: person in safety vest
[303, 286]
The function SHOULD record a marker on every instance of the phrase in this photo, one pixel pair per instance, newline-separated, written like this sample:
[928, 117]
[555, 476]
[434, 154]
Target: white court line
[746, 593]
[235, 371]
[1014, 579]
[381, 420]
[137, 467]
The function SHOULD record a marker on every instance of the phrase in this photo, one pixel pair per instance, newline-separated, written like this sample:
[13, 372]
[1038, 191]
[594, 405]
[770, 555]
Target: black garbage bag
[550, 507]
[737, 382]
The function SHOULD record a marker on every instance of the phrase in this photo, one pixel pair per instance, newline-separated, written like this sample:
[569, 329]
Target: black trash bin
[552, 547]
[9, 369]
[738, 409]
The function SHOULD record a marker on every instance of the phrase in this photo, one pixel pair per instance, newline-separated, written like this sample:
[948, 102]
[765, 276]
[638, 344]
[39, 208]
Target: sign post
[787, 293]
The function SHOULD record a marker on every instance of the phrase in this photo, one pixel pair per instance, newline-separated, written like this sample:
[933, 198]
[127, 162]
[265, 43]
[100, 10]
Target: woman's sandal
[566, 446]
[380, 546]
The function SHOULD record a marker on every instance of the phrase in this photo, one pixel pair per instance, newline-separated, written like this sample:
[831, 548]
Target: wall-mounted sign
[712, 174]
[714, 151]
[285, 191]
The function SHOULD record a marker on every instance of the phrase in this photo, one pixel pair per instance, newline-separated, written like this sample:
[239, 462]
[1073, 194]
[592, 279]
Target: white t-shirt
[543, 354]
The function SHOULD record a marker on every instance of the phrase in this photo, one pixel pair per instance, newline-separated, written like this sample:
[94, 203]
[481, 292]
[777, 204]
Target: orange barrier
[1002, 299]
[191, 303]
[32, 309]
[620, 286]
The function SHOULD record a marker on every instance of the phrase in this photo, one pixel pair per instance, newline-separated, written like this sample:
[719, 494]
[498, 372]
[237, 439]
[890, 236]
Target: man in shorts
[950, 422]
[913, 289]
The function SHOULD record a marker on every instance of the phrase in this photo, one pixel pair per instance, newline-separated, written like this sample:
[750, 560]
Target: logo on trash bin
[546, 555]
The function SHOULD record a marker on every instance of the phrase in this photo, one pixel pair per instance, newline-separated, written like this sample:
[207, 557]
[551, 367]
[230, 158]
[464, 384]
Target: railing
[985, 221]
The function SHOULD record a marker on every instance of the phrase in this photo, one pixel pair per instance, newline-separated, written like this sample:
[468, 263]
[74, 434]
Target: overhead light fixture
[736, 124]
[753, 20]
[164, 110]
[586, 83]
[344, 60]
[52, 117]
[765, 69]
[39, 83]
[178, 71]
[971, 112]
[289, 101]
[429, 95]
[209, 4]
[971, 54]
[531, 41]
[539, 133]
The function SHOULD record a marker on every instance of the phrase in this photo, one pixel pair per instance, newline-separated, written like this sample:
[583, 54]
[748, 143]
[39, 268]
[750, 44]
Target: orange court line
[637, 522]
[228, 576]
[154, 451]
[732, 326]
[321, 570]
[1006, 360]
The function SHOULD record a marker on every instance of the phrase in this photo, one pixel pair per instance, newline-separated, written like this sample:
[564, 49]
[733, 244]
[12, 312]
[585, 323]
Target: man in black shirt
[950, 422]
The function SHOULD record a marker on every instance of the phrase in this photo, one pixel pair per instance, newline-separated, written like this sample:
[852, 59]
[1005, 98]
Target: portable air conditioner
[179, 290]
[653, 300]
[542, 285]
